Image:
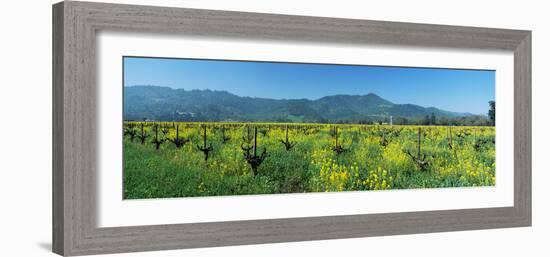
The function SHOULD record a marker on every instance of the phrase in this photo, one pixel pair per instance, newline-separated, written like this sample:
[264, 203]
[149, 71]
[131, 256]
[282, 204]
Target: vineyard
[184, 159]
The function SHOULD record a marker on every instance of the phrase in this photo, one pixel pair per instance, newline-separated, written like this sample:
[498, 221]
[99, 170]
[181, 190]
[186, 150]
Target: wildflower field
[185, 159]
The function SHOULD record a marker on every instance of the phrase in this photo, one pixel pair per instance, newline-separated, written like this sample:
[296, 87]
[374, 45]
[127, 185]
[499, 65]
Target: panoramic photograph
[198, 127]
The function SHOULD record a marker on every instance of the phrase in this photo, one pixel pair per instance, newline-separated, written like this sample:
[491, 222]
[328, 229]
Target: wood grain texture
[75, 25]
[58, 230]
[522, 128]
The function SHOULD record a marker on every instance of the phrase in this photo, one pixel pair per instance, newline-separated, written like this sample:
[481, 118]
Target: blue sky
[448, 89]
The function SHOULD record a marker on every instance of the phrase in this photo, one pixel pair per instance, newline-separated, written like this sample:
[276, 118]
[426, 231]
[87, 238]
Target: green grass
[311, 166]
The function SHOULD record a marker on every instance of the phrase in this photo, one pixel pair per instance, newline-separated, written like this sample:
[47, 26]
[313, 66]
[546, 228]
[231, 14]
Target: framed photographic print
[183, 128]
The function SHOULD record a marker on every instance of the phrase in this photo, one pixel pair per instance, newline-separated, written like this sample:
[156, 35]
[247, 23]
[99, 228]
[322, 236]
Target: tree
[426, 120]
[492, 112]
[444, 121]
[401, 121]
[432, 119]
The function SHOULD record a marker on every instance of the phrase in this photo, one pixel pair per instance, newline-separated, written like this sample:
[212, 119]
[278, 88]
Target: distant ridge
[167, 104]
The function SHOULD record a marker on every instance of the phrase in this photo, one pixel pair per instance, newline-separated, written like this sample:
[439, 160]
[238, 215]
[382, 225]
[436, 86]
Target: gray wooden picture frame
[75, 25]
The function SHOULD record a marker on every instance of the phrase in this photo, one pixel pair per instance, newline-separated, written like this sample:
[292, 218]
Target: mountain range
[167, 104]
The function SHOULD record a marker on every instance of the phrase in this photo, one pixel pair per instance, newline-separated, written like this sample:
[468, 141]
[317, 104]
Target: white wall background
[25, 127]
